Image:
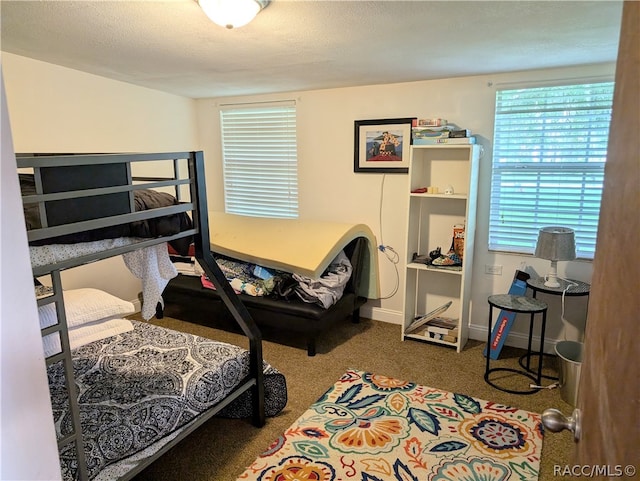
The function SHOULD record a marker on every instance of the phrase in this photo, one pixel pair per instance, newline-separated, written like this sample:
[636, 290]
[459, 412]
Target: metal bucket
[570, 359]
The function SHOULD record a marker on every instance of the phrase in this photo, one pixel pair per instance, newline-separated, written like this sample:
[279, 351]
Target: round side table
[568, 287]
[525, 305]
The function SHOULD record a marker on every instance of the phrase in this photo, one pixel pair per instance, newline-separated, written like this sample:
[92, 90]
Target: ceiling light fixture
[232, 13]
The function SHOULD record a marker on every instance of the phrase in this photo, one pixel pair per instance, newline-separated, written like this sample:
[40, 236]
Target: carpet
[369, 427]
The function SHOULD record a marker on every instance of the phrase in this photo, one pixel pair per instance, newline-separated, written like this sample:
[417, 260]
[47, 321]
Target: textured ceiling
[304, 45]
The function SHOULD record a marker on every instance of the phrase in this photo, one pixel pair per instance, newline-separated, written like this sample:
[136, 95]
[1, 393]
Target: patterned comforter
[136, 388]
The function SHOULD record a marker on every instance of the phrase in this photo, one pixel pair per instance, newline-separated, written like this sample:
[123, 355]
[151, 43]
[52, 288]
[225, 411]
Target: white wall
[56, 109]
[329, 189]
[28, 447]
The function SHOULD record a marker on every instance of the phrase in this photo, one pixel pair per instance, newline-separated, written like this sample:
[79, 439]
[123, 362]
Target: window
[260, 162]
[550, 147]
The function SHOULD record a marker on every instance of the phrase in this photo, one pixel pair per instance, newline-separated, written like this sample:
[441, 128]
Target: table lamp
[555, 244]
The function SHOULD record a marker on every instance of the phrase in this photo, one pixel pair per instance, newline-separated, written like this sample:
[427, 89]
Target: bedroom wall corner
[57, 109]
[26, 418]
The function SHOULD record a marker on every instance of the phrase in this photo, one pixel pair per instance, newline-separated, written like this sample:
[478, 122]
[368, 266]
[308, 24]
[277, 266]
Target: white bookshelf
[430, 222]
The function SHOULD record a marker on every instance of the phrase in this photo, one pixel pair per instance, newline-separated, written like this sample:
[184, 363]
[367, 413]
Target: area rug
[369, 427]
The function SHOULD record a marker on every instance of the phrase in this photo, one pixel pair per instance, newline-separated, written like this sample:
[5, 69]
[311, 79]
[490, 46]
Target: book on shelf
[443, 141]
[450, 338]
[453, 338]
[430, 133]
[428, 122]
[460, 133]
[422, 320]
[443, 325]
[434, 128]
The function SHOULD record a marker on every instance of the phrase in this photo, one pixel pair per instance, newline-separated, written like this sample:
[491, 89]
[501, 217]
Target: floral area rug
[374, 428]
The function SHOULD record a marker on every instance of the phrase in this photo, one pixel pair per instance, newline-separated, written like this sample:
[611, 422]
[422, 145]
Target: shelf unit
[430, 222]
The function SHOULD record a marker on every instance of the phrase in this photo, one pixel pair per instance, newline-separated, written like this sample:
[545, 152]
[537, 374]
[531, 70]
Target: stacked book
[439, 131]
[442, 329]
[434, 326]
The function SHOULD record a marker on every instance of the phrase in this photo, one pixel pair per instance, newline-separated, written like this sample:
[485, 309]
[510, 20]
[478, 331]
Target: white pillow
[81, 335]
[86, 305]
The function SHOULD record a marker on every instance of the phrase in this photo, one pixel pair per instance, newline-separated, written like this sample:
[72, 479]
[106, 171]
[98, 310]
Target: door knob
[555, 421]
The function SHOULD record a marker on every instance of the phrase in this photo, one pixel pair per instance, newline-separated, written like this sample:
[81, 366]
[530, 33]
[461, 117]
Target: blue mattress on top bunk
[137, 390]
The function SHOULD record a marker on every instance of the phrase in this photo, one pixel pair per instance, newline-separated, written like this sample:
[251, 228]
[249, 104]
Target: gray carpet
[222, 448]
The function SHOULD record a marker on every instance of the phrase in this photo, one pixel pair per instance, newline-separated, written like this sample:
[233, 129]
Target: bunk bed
[84, 208]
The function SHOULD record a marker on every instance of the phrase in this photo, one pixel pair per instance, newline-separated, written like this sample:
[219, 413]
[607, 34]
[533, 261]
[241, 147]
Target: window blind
[550, 147]
[260, 161]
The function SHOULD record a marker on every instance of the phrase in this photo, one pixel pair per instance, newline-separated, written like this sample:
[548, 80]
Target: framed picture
[382, 146]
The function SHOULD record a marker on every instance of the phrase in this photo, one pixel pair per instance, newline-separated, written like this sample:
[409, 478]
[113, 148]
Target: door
[609, 392]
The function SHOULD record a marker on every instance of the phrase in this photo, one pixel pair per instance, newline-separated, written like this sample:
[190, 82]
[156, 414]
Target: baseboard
[476, 332]
[380, 314]
[514, 339]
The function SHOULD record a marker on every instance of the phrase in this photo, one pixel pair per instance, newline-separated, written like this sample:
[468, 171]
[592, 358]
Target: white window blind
[550, 147]
[260, 159]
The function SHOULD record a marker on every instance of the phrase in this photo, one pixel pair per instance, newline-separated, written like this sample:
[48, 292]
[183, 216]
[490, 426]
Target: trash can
[570, 360]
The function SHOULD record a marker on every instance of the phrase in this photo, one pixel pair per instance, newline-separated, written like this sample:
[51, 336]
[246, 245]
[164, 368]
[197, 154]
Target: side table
[568, 287]
[518, 304]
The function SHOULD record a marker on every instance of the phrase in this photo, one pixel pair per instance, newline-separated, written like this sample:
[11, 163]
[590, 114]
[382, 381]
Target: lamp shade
[232, 13]
[556, 244]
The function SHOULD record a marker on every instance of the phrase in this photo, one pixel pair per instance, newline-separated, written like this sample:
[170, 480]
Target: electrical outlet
[493, 270]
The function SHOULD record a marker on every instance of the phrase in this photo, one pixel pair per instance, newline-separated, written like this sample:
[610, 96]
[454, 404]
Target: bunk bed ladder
[224, 289]
[65, 357]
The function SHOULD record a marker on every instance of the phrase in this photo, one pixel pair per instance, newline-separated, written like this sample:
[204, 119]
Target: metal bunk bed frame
[198, 208]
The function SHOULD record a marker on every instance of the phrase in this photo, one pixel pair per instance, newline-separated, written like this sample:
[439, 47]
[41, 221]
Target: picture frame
[382, 146]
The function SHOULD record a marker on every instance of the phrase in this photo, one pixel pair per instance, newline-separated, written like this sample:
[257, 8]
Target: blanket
[328, 289]
[139, 387]
[154, 267]
[376, 428]
[303, 247]
[257, 281]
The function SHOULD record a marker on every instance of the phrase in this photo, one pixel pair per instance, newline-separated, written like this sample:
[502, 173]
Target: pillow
[86, 305]
[81, 335]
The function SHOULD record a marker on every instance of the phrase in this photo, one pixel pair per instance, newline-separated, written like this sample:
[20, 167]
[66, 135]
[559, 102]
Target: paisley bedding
[141, 387]
[51, 254]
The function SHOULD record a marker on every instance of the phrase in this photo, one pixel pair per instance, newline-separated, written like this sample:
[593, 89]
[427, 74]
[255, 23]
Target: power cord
[569, 285]
[550, 386]
[394, 258]
[389, 252]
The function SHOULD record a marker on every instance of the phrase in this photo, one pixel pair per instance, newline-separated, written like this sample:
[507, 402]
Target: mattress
[150, 264]
[56, 253]
[303, 247]
[72, 210]
[139, 389]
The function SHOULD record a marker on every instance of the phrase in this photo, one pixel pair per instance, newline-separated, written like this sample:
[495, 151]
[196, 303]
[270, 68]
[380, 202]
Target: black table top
[517, 303]
[573, 287]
